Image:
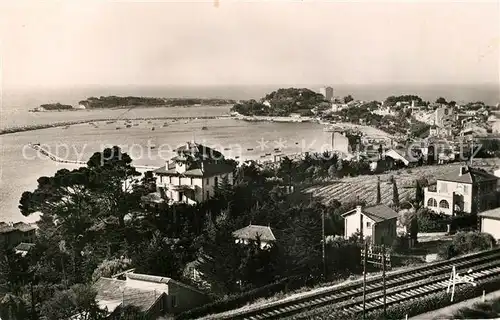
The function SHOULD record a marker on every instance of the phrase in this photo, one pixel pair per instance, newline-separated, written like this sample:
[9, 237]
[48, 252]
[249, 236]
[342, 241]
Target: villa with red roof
[252, 233]
[466, 190]
[190, 176]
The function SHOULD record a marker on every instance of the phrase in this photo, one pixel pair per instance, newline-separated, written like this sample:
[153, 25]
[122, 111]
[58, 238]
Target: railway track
[400, 286]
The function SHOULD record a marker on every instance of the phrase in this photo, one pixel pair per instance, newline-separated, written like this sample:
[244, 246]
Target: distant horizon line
[283, 85]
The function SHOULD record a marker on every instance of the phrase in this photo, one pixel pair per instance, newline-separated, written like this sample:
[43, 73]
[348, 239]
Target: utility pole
[383, 276]
[365, 254]
[323, 242]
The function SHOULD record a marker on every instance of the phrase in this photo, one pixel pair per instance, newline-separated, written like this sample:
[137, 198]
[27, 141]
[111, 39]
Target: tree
[332, 171]
[419, 194]
[108, 268]
[348, 99]
[79, 299]
[441, 100]
[395, 193]
[379, 195]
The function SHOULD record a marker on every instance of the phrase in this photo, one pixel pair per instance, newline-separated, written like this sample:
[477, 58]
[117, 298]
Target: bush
[429, 221]
[401, 244]
[467, 242]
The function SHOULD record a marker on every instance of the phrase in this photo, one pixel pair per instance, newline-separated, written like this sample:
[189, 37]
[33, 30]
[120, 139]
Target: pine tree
[379, 195]
[395, 193]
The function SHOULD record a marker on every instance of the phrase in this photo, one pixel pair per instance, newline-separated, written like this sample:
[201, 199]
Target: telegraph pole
[383, 277]
[323, 241]
[365, 254]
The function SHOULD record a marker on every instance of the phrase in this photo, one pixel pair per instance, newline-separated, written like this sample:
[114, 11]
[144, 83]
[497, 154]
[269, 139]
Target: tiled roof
[380, 212]
[493, 213]
[110, 292]
[20, 226]
[377, 213]
[471, 175]
[209, 169]
[250, 232]
[23, 246]
[147, 277]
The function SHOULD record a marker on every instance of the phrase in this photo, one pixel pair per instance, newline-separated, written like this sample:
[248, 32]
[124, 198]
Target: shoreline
[128, 107]
[70, 123]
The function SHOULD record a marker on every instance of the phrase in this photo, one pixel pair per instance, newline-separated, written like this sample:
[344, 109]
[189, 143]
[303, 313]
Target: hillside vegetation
[281, 102]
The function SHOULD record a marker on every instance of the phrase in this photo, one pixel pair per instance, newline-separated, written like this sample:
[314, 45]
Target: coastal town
[212, 237]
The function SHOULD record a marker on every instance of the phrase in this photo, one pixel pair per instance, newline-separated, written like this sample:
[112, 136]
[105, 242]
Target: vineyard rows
[364, 187]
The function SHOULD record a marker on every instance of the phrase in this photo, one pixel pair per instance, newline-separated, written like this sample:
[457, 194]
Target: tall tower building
[327, 92]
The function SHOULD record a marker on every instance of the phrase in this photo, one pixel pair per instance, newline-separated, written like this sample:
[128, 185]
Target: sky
[78, 43]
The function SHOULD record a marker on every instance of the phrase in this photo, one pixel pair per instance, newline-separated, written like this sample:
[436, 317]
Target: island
[110, 102]
[282, 103]
[124, 102]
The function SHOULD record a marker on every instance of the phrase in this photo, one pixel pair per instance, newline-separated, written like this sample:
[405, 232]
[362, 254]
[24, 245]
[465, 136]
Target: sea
[151, 142]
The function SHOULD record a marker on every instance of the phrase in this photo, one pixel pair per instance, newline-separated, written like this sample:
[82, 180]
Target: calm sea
[20, 166]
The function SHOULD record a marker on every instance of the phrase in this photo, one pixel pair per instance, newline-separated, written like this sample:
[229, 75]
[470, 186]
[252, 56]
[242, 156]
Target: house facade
[444, 116]
[490, 222]
[191, 176]
[466, 190]
[377, 223]
[12, 234]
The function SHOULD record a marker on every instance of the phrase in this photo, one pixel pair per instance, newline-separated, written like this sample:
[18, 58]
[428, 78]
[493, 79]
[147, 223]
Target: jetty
[55, 158]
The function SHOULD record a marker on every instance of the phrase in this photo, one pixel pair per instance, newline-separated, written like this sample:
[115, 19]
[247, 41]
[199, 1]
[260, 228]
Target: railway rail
[401, 285]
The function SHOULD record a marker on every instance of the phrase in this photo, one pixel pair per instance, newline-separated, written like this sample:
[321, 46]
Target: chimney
[166, 164]
[463, 170]
[358, 209]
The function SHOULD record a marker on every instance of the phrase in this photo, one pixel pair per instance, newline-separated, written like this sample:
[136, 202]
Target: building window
[180, 196]
[466, 189]
[191, 180]
[368, 224]
[432, 202]
[216, 181]
[444, 204]
[174, 301]
[208, 195]
[208, 181]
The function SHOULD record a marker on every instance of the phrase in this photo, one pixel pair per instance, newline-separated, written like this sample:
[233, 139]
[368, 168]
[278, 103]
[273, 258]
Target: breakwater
[69, 123]
[55, 158]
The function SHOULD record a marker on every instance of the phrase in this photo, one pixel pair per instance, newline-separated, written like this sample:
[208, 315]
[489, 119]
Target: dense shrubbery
[467, 242]
[56, 106]
[429, 221]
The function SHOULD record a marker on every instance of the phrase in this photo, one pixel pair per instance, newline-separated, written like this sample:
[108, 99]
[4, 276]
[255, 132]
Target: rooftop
[23, 246]
[493, 213]
[19, 226]
[467, 174]
[199, 151]
[251, 232]
[112, 292]
[209, 169]
[377, 213]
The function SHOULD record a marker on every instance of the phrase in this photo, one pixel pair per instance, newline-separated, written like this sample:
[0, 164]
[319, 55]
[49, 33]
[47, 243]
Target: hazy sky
[73, 43]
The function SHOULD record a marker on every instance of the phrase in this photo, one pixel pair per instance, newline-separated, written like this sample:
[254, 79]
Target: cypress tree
[379, 195]
[395, 194]
[419, 193]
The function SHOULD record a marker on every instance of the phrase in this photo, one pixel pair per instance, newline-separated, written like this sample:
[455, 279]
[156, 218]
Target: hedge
[240, 300]
[411, 307]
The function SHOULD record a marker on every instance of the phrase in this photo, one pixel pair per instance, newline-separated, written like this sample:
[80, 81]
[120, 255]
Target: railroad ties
[400, 286]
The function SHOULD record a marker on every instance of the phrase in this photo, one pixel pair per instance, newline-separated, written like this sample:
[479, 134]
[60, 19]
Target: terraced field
[364, 188]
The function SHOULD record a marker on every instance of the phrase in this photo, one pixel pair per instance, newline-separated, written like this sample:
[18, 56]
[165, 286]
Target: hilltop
[282, 102]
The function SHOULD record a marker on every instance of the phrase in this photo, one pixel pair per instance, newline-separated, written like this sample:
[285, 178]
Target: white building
[191, 176]
[378, 223]
[464, 190]
[490, 222]
[327, 92]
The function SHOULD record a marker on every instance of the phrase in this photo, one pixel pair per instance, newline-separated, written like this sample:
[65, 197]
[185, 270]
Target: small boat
[268, 154]
[237, 157]
[277, 151]
[136, 124]
[67, 127]
[186, 122]
[149, 122]
[204, 128]
[152, 147]
[109, 122]
[227, 148]
[128, 125]
[118, 128]
[250, 149]
[153, 129]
